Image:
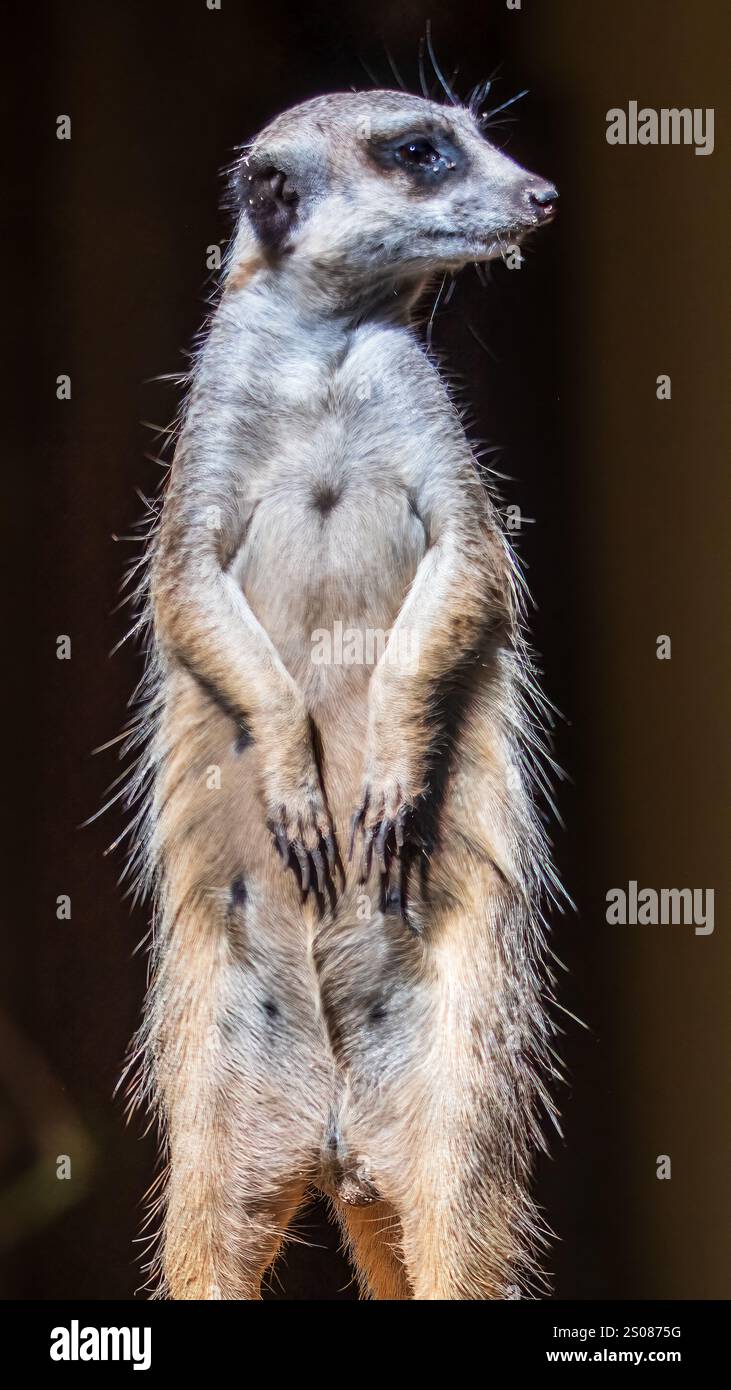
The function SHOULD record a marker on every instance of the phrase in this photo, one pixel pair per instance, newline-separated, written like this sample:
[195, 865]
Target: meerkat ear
[271, 201]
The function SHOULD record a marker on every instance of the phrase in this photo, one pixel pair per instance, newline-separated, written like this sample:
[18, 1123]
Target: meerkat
[348, 980]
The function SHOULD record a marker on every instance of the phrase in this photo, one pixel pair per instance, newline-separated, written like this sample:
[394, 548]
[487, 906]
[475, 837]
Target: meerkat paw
[304, 837]
[384, 819]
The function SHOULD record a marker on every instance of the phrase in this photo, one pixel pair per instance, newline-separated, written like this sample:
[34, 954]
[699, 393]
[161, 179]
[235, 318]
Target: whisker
[434, 310]
[368, 72]
[422, 74]
[440, 75]
[488, 115]
[397, 75]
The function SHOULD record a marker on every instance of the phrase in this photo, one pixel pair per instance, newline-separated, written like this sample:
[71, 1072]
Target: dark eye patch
[428, 157]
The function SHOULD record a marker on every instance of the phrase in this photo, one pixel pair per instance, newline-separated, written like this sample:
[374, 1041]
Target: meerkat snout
[383, 184]
[544, 199]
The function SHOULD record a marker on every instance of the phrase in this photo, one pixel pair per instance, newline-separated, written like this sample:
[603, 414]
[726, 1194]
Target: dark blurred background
[105, 281]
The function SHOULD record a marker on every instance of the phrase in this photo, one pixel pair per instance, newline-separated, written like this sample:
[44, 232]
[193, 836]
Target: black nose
[543, 198]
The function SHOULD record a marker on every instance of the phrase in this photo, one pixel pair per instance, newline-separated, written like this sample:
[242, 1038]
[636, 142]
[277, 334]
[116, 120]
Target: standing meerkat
[348, 990]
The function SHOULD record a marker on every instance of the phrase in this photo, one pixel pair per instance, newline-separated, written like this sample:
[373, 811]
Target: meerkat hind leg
[204, 1261]
[372, 1239]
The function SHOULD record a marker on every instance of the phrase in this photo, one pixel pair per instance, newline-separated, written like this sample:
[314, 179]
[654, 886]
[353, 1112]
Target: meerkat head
[384, 184]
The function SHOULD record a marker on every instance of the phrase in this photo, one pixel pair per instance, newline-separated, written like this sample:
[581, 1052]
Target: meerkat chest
[344, 426]
[331, 511]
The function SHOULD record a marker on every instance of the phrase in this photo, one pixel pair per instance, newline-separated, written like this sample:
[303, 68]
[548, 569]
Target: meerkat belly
[330, 551]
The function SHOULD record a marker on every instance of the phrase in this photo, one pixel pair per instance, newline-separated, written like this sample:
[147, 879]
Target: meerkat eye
[419, 152]
[419, 156]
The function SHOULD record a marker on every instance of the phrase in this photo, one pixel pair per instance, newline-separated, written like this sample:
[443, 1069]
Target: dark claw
[304, 863]
[355, 821]
[282, 843]
[400, 827]
[319, 864]
[331, 851]
[365, 863]
[381, 842]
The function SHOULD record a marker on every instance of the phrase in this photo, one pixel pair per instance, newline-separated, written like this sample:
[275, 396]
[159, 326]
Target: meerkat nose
[543, 199]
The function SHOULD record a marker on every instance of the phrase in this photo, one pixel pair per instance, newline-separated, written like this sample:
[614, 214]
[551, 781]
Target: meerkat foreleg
[437, 628]
[203, 619]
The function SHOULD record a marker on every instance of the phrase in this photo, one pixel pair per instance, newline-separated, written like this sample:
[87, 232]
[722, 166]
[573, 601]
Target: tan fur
[244, 272]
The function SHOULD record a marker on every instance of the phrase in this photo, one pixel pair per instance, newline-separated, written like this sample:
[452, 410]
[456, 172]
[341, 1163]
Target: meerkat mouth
[500, 236]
